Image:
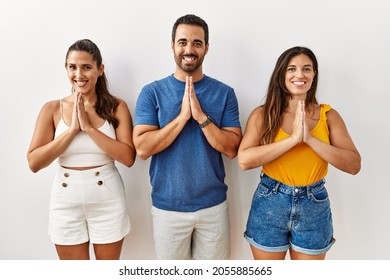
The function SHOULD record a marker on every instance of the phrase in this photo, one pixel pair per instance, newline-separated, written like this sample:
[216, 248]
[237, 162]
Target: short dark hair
[191, 20]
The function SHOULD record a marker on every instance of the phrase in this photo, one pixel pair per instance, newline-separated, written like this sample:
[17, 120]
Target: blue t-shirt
[189, 174]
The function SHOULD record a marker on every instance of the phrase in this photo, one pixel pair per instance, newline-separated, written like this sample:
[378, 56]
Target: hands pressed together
[190, 106]
[300, 130]
[80, 120]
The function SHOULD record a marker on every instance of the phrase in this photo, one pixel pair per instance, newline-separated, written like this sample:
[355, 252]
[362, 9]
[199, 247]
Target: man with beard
[185, 122]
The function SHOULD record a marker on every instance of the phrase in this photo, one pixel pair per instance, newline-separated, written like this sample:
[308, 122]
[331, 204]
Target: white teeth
[81, 83]
[298, 83]
[188, 58]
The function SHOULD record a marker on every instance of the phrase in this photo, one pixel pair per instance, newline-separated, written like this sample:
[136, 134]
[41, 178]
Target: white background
[350, 38]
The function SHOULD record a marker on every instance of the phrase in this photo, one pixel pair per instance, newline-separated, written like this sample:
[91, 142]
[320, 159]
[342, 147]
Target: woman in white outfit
[86, 132]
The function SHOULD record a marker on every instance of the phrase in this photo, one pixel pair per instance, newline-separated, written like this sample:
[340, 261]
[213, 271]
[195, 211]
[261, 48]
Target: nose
[188, 48]
[78, 72]
[299, 73]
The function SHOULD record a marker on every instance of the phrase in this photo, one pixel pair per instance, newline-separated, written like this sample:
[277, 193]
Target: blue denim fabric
[283, 217]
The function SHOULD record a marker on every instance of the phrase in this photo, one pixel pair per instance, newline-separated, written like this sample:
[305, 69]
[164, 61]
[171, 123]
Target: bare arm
[251, 154]
[44, 149]
[341, 153]
[120, 149]
[150, 139]
[226, 139]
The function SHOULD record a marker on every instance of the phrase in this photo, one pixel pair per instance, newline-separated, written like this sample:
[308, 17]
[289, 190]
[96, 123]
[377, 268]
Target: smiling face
[83, 71]
[189, 49]
[299, 75]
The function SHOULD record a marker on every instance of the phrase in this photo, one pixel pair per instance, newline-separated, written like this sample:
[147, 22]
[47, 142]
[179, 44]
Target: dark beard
[188, 69]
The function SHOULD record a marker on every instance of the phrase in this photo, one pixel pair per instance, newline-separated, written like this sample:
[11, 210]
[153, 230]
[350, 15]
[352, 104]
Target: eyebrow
[85, 64]
[195, 40]
[198, 41]
[306, 65]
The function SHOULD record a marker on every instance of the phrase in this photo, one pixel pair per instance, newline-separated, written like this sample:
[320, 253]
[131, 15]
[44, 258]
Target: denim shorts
[284, 217]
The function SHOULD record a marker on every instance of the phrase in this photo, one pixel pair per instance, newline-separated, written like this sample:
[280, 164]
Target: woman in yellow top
[294, 138]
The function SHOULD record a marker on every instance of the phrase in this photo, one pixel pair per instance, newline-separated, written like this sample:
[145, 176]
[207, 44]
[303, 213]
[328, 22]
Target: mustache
[190, 54]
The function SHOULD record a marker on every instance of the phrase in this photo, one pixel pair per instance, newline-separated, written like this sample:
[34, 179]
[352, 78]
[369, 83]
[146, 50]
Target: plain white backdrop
[352, 44]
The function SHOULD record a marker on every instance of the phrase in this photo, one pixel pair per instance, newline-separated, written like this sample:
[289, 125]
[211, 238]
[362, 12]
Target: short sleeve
[146, 108]
[231, 113]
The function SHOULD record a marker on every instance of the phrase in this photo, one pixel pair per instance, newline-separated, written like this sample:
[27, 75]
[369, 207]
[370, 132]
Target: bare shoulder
[51, 106]
[333, 115]
[257, 114]
[50, 113]
[255, 121]
[334, 120]
[122, 105]
[120, 100]
[123, 112]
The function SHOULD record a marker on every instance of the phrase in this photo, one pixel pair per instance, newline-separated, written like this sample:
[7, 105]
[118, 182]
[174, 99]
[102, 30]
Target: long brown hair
[277, 95]
[106, 104]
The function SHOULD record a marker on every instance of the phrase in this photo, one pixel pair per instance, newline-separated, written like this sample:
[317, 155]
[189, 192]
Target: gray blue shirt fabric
[189, 174]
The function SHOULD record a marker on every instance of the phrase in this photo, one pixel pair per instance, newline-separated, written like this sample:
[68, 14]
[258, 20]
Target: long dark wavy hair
[106, 104]
[278, 96]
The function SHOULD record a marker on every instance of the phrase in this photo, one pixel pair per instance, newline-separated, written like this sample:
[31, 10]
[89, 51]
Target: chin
[80, 90]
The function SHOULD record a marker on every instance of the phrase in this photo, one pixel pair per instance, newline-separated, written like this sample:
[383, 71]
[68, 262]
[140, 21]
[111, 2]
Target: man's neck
[181, 75]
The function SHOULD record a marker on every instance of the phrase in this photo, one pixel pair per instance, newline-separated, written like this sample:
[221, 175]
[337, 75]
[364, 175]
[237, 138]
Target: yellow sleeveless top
[301, 166]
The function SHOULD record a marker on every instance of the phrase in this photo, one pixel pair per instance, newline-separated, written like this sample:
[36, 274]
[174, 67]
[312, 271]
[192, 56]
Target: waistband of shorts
[291, 190]
[86, 174]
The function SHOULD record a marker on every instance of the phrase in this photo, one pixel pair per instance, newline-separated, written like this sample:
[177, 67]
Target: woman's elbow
[355, 169]
[356, 166]
[129, 159]
[243, 166]
[32, 164]
[242, 163]
[129, 162]
[34, 167]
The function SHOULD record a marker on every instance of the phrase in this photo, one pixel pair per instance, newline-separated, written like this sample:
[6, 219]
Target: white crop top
[83, 151]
